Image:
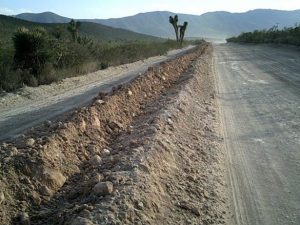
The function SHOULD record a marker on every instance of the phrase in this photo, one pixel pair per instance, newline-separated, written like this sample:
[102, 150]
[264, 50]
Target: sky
[102, 9]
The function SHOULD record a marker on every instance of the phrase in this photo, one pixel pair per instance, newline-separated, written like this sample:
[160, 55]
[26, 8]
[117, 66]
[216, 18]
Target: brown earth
[146, 153]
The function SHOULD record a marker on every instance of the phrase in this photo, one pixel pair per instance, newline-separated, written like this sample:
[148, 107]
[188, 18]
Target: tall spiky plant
[182, 31]
[73, 28]
[174, 21]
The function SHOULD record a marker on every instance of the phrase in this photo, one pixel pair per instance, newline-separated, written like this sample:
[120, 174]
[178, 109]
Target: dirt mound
[146, 153]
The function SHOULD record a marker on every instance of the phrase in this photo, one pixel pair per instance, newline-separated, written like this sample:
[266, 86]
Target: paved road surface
[15, 121]
[259, 92]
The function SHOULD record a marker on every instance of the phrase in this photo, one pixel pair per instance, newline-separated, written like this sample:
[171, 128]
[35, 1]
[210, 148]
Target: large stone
[95, 161]
[103, 188]
[53, 178]
[30, 142]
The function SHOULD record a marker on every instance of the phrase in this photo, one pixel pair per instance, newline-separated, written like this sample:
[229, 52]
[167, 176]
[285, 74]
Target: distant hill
[45, 17]
[213, 25]
[8, 25]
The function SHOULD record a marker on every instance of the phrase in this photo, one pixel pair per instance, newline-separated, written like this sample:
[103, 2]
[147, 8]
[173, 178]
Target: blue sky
[120, 8]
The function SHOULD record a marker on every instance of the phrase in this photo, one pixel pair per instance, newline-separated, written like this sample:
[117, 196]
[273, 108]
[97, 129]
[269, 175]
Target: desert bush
[289, 35]
[10, 80]
[48, 75]
[40, 57]
[31, 49]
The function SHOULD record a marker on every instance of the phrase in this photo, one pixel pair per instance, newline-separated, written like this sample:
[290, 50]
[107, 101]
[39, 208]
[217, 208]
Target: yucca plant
[174, 21]
[31, 50]
[182, 31]
[73, 28]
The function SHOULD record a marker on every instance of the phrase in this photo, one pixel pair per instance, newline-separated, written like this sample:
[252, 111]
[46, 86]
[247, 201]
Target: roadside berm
[148, 152]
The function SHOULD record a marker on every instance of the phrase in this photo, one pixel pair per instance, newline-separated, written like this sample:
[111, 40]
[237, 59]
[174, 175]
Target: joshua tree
[182, 31]
[73, 29]
[174, 21]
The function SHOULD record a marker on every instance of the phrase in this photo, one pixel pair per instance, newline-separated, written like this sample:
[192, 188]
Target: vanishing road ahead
[259, 92]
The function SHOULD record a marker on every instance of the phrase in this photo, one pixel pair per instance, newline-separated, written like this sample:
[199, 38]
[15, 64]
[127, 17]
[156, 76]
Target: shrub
[10, 80]
[31, 50]
[273, 35]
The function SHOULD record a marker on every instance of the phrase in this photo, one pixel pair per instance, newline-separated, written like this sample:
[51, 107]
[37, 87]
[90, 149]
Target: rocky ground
[147, 153]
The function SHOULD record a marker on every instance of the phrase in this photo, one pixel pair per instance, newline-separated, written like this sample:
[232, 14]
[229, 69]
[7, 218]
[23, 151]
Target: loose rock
[95, 161]
[106, 152]
[206, 194]
[100, 102]
[2, 197]
[103, 188]
[53, 178]
[30, 142]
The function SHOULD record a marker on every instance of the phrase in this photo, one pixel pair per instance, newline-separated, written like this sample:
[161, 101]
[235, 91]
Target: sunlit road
[259, 95]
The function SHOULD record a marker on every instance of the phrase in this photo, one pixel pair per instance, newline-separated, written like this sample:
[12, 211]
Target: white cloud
[7, 11]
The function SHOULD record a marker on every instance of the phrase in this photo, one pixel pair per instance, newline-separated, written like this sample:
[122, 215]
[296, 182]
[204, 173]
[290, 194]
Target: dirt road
[48, 102]
[259, 92]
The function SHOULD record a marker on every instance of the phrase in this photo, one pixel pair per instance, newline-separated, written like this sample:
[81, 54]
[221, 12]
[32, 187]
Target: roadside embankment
[146, 153]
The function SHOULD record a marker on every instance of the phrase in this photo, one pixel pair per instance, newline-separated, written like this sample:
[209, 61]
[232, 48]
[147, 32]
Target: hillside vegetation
[34, 53]
[289, 35]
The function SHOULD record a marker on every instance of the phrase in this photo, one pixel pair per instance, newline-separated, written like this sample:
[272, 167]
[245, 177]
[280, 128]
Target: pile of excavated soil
[146, 153]
[74, 85]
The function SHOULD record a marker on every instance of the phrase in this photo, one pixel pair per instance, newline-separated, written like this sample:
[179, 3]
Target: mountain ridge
[218, 24]
[97, 32]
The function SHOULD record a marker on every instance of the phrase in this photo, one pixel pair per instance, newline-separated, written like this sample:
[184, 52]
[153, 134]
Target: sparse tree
[73, 28]
[174, 21]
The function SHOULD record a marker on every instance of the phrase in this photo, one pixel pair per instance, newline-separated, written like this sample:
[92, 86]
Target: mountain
[8, 25]
[213, 24]
[45, 17]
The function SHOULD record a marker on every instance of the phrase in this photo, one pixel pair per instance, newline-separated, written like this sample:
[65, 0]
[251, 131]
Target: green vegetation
[180, 28]
[33, 54]
[289, 35]
[73, 28]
